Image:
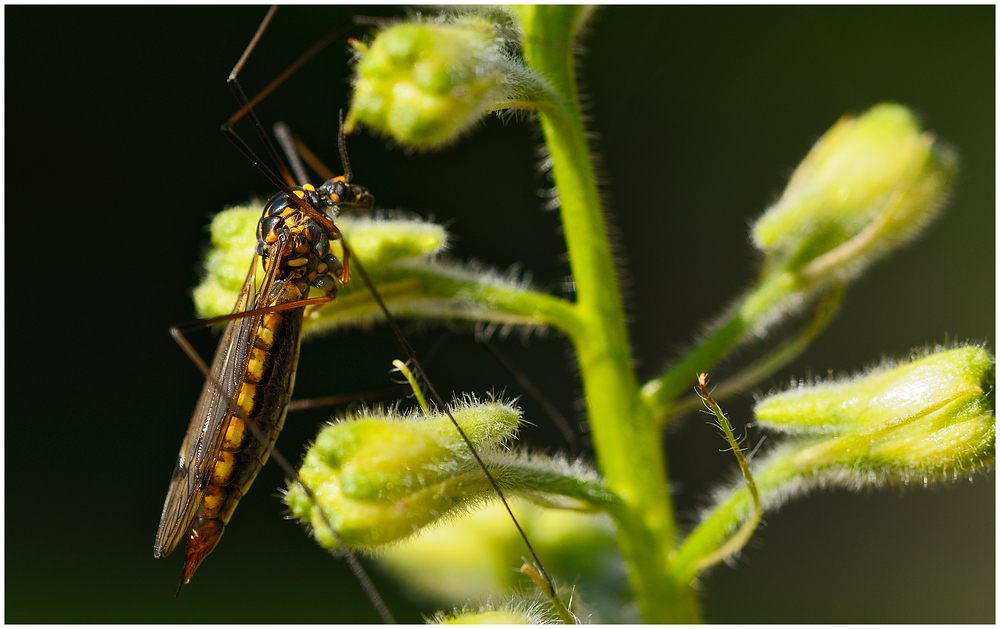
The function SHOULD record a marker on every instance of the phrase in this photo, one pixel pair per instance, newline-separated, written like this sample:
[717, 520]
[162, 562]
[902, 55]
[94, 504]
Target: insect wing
[205, 432]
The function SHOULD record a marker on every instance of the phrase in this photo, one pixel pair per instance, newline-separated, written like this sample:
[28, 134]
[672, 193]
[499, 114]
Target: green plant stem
[541, 481]
[425, 292]
[661, 393]
[627, 441]
[736, 507]
[787, 469]
[826, 308]
[770, 297]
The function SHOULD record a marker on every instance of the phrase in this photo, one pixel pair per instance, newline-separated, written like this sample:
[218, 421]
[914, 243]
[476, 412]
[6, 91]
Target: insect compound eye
[341, 190]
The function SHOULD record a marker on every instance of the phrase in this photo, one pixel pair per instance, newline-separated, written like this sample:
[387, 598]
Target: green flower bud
[380, 477]
[868, 185]
[424, 83]
[520, 611]
[471, 557]
[233, 233]
[929, 417]
[486, 618]
[399, 252]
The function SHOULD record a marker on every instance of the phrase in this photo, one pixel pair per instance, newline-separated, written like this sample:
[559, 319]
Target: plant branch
[627, 441]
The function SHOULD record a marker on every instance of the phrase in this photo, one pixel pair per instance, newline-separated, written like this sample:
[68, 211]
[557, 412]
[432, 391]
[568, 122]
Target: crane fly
[245, 397]
[254, 367]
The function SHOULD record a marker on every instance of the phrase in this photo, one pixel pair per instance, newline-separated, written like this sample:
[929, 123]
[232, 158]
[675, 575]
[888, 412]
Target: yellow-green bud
[929, 417]
[487, 618]
[424, 83]
[868, 185]
[470, 557]
[518, 611]
[381, 477]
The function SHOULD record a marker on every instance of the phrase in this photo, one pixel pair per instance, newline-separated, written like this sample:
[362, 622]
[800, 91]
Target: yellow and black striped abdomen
[265, 389]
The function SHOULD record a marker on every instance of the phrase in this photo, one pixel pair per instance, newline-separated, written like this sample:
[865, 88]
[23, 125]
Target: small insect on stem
[249, 383]
[245, 397]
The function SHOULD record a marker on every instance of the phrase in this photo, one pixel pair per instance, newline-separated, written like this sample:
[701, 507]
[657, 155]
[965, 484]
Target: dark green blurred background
[113, 147]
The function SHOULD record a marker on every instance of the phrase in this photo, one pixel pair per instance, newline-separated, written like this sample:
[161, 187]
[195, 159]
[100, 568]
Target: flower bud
[868, 185]
[424, 83]
[931, 416]
[380, 477]
[501, 617]
[520, 611]
[470, 557]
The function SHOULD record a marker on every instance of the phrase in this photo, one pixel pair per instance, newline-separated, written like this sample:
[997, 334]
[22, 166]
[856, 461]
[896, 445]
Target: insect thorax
[298, 241]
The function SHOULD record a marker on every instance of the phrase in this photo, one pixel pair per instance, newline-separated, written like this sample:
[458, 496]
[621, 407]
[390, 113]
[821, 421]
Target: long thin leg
[301, 152]
[529, 387]
[289, 146]
[241, 99]
[387, 393]
[246, 107]
[439, 401]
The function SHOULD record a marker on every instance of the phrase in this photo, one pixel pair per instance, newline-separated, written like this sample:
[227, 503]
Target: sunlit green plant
[870, 184]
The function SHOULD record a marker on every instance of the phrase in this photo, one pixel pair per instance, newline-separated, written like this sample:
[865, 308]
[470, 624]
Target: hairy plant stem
[773, 294]
[627, 441]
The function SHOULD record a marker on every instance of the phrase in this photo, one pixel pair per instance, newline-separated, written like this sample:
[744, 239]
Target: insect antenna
[345, 162]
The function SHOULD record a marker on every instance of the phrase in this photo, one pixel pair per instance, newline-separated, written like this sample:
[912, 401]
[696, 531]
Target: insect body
[253, 371]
